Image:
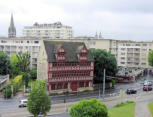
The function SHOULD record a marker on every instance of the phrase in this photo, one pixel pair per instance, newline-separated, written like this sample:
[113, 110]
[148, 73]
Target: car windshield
[24, 101]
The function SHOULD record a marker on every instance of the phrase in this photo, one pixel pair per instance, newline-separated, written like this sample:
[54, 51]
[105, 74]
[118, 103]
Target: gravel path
[142, 110]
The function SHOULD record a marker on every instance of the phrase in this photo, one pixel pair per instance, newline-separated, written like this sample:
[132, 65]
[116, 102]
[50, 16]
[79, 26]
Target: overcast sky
[115, 19]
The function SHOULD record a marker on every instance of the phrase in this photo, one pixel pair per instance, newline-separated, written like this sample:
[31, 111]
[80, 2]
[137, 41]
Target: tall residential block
[48, 31]
[15, 45]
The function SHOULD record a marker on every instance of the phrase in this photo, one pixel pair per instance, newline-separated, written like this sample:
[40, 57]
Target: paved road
[13, 103]
[60, 108]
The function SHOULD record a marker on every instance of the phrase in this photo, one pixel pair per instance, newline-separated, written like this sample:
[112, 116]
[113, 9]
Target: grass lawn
[124, 110]
[150, 105]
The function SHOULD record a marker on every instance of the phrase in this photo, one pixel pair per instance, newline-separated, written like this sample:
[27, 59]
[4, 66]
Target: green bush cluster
[123, 103]
[16, 83]
[88, 108]
[113, 83]
[7, 92]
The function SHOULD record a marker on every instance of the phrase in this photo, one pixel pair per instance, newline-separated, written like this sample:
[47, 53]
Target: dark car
[147, 88]
[131, 91]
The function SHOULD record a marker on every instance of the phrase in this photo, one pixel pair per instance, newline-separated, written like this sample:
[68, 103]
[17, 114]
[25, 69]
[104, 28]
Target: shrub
[16, 82]
[123, 103]
[113, 83]
[7, 92]
[89, 108]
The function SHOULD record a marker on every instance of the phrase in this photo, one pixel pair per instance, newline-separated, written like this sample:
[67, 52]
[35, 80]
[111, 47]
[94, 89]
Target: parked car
[131, 91]
[147, 88]
[146, 82]
[23, 103]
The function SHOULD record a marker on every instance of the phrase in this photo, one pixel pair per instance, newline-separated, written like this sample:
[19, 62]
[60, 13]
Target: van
[23, 103]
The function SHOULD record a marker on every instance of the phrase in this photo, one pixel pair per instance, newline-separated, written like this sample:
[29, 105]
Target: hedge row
[16, 83]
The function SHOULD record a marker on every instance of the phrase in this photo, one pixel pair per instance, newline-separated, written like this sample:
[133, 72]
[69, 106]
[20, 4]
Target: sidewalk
[142, 110]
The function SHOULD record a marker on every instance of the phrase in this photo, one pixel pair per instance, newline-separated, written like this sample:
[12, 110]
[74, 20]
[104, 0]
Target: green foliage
[26, 78]
[4, 64]
[150, 105]
[123, 103]
[14, 68]
[23, 61]
[88, 108]
[126, 109]
[103, 60]
[7, 92]
[38, 101]
[113, 83]
[16, 82]
[150, 58]
[33, 74]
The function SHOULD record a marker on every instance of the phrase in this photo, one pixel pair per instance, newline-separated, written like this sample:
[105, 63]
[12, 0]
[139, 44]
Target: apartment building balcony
[34, 62]
[34, 56]
[136, 52]
[129, 52]
[35, 50]
[7, 49]
[130, 60]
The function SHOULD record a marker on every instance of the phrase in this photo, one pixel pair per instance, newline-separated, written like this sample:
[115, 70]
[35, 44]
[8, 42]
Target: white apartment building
[15, 45]
[127, 53]
[134, 54]
[48, 31]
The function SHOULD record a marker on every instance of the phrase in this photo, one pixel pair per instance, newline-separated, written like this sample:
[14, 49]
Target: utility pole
[99, 90]
[104, 84]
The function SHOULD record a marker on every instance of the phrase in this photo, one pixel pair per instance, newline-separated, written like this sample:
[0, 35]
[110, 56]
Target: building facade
[127, 53]
[134, 54]
[12, 29]
[68, 66]
[15, 45]
[48, 31]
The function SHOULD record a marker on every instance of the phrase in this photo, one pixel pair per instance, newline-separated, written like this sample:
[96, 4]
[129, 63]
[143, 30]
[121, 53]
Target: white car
[146, 82]
[23, 103]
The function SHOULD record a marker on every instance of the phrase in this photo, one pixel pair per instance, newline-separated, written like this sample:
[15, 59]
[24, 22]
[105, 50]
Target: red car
[147, 88]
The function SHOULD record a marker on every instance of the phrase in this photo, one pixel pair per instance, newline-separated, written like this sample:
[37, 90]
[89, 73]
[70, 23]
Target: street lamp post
[104, 83]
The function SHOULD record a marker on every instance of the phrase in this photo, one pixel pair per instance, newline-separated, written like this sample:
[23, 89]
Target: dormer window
[60, 55]
[83, 54]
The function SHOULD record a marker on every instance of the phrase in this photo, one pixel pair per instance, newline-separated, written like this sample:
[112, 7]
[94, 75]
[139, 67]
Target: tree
[88, 108]
[7, 92]
[38, 101]
[33, 73]
[14, 68]
[150, 58]
[25, 78]
[23, 61]
[103, 60]
[4, 64]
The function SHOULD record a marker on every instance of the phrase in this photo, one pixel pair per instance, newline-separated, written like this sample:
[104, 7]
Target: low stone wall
[61, 91]
[3, 81]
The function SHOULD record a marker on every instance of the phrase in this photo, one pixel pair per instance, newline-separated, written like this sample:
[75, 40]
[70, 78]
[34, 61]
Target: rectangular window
[36, 42]
[81, 84]
[65, 85]
[59, 86]
[87, 84]
[53, 86]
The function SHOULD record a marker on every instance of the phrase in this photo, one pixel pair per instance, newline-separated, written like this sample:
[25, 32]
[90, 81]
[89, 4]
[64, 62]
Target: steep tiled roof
[71, 49]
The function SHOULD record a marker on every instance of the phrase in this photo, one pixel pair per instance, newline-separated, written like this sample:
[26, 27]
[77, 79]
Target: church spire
[100, 36]
[12, 29]
[96, 35]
